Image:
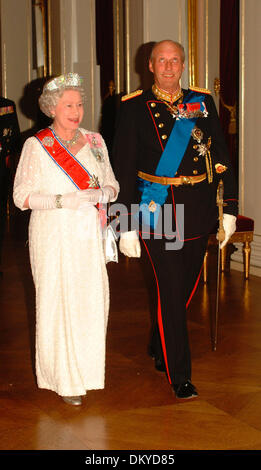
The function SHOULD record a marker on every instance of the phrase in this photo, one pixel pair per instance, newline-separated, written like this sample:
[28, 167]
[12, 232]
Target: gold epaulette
[131, 95]
[200, 90]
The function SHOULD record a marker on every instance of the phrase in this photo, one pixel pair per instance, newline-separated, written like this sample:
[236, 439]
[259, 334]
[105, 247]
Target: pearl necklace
[70, 142]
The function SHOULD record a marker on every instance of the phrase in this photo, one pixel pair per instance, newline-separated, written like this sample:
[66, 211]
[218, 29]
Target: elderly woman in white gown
[64, 177]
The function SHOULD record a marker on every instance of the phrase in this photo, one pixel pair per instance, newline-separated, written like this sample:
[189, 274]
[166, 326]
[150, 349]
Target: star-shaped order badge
[94, 182]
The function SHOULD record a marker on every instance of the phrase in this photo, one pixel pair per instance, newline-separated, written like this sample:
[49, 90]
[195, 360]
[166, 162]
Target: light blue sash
[168, 165]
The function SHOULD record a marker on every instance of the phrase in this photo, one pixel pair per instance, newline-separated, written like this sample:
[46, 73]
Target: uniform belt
[176, 181]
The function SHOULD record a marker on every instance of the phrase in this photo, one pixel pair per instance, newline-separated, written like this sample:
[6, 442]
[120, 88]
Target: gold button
[161, 124]
[195, 146]
[164, 136]
[195, 172]
[157, 115]
[153, 105]
[195, 159]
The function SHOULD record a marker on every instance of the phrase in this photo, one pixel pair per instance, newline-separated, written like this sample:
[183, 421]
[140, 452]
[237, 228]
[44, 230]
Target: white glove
[102, 195]
[75, 200]
[129, 244]
[229, 223]
[109, 193]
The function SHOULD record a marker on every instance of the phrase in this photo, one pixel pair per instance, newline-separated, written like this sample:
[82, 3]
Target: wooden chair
[243, 234]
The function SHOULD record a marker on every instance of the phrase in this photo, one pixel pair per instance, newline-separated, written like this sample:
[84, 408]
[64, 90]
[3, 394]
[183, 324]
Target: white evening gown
[69, 272]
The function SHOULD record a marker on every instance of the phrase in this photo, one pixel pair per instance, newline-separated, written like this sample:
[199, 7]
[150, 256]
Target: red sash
[67, 162]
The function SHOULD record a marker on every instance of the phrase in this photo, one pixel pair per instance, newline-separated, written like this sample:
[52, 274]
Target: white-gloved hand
[229, 223]
[75, 200]
[109, 193]
[101, 195]
[129, 244]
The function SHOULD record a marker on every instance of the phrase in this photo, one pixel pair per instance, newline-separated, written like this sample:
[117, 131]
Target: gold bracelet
[58, 202]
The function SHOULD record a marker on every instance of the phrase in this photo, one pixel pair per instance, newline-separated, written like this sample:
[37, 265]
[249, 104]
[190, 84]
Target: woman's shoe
[76, 401]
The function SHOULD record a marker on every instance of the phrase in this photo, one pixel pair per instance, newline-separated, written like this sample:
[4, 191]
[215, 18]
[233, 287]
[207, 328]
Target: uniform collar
[165, 96]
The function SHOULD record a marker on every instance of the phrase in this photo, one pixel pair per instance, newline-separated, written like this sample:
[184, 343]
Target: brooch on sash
[95, 143]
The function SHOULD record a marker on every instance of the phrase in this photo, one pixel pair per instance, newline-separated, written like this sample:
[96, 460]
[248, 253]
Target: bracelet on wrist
[58, 201]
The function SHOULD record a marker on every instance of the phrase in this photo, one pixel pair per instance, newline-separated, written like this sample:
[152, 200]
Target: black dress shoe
[185, 390]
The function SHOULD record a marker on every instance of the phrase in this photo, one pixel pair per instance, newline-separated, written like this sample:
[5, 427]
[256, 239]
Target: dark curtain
[229, 75]
[104, 43]
[105, 58]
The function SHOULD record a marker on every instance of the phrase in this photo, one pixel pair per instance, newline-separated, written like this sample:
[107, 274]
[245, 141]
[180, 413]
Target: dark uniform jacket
[9, 132]
[9, 148]
[144, 126]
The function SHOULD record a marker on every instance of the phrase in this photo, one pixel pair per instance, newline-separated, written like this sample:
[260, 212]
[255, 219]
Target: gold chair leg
[246, 254]
[205, 267]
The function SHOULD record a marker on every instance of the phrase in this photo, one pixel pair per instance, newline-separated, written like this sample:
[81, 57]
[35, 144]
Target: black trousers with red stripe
[176, 273]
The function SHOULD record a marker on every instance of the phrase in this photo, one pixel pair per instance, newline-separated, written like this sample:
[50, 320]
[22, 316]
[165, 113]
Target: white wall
[167, 19]
[79, 53]
[250, 103]
[16, 52]
[213, 26]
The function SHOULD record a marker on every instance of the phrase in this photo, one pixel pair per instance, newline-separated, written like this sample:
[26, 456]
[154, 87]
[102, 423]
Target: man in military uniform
[9, 148]
[169, 150]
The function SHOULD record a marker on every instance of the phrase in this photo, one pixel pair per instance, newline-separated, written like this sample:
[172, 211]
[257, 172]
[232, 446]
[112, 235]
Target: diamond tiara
[64, 81]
